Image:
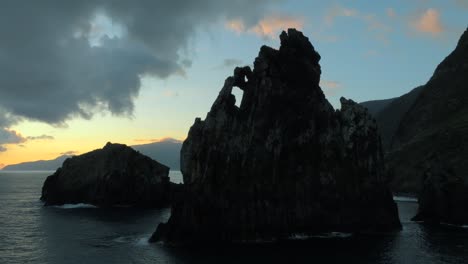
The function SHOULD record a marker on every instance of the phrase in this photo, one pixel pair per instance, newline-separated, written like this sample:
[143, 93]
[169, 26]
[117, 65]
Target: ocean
[32, 233]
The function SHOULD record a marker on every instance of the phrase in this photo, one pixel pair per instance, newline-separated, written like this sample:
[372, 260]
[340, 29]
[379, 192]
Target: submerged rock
[115, 175]
[283, 163]
[444, 195]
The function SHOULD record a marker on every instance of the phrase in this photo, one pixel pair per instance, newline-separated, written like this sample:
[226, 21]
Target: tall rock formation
[284, 162]
[115, 175]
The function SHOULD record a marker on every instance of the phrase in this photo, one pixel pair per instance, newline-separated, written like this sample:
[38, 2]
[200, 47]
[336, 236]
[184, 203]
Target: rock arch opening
[238, 94]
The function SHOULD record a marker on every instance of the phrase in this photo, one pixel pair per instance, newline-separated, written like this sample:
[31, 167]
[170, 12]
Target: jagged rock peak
[284, 162]
[294, 43]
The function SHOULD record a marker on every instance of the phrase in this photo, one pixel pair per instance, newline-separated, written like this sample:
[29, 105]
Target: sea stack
[115, 175]
[283, 163]
[443, 195]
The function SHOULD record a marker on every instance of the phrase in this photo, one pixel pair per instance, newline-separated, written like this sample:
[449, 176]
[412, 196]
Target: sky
[77, 74]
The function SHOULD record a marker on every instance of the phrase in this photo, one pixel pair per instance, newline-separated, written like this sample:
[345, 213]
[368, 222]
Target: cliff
[435, 123]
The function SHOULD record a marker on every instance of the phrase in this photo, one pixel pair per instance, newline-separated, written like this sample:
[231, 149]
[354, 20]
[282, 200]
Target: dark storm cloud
[10, 137]
[41, 137]
[51, 73]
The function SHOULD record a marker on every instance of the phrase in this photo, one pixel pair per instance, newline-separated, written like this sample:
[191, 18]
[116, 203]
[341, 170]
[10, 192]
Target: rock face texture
[437, 121]
[432, 118]
[444, 195]
[389, 117]
[115, 175]
[284, 162]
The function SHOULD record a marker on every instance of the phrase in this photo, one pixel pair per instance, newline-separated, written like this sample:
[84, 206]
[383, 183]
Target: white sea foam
[299, 237]
[143, 241]
[459, 226]
[405, 199]
[75, 206]
[324, 235]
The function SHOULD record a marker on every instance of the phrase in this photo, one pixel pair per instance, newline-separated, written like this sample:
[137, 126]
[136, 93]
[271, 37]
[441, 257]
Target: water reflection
[33, 234]
[416, 243]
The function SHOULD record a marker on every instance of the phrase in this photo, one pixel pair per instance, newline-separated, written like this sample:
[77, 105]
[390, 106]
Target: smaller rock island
[115, 175]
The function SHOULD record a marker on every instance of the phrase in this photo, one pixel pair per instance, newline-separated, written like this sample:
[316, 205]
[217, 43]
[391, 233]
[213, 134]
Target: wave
[138, 240]
[75, 206]
[324, 235]
[454, 225]
[405, 199]
[143, 241]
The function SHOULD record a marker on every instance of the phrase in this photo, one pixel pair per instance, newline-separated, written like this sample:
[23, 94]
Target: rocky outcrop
[115, 175]
[284, 162]
[444, 195]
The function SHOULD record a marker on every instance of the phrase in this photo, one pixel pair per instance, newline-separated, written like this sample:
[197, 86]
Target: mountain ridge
[431, 119]
[166, 151]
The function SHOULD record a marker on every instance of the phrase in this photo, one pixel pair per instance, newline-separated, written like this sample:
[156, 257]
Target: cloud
[1, 164]
[373, 23]
[66, 59]
[69, 153]
[391, 12]
[428, 22]
[236, 25]
[331, 88]
[10, 137]
[268, 27]
[41, 137]
[339, 11]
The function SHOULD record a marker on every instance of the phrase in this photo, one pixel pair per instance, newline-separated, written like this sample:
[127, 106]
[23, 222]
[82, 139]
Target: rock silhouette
[283, 163]
[432, 118]
[443, 195]
[115, 175]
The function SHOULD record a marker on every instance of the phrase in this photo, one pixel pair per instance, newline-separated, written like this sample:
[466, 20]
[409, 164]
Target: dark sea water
[31, 233]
